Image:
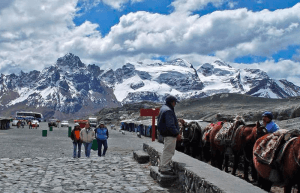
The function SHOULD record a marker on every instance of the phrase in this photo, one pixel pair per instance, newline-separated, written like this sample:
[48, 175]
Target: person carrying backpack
[77, 142]
[101, 136]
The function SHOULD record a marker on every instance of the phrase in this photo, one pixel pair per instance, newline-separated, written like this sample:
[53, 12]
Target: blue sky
[260, 34]
[107, 16]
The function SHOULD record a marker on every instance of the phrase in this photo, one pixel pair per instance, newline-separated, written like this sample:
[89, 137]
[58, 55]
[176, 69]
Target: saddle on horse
[274, 145]
[224, 136]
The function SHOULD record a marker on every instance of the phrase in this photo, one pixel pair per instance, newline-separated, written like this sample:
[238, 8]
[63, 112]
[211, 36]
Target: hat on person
[268, 114]
[171, 99]
[102, 123]
[76, 124]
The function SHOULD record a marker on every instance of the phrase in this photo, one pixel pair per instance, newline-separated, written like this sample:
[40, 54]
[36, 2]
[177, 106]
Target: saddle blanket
[266, 150]
[206, 133]
[224, 136]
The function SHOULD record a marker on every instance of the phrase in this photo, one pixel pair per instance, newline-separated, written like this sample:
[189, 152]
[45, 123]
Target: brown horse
[288, 172]
[218, 150]
[182, 124]
[216, 156]
[243, 143]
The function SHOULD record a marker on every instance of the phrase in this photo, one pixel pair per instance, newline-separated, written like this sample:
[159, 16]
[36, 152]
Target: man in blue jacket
[168, 127]
[101, 136]
[270, 125]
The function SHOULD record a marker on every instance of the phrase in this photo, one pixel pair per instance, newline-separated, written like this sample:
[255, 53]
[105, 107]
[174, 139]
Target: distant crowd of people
[22, 123]
[86, 137]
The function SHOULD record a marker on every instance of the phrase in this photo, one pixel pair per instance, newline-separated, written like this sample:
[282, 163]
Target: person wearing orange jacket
[77, 142]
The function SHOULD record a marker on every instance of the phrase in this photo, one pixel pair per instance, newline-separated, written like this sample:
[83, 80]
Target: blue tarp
[148, 131]
[131, 127]
[141, 129]
[124, 126]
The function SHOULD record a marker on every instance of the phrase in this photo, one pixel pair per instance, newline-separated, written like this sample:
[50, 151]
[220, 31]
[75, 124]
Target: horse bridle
[194, 130]
[263, 132]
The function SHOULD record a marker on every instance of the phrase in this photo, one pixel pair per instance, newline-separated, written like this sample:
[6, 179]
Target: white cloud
[232, 4]
[33, 37]
[194, 5]
[115, 4]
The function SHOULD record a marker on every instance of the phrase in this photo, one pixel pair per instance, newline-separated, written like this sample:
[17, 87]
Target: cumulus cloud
[32, 37]
[115, 4]
[194, 5]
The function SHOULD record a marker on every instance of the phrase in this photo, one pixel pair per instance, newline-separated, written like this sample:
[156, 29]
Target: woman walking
[77, 142]
[102, 136]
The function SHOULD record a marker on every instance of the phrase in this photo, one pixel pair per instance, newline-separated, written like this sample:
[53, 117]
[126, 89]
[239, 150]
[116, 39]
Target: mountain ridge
[71, 88]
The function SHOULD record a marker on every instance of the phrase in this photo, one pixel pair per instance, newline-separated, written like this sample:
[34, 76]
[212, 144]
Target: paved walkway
[106, 174]
[25, 166]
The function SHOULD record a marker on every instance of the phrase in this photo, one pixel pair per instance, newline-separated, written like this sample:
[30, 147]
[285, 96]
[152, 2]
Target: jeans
[100, 143]
[75, 144]
[87, 148]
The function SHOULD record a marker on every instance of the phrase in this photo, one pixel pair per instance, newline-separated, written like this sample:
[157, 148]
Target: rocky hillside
[214, 108]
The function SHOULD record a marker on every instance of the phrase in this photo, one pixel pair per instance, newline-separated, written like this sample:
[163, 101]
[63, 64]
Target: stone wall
[196, 176]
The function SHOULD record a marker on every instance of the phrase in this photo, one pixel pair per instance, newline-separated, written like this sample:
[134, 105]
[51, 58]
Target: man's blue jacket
[167, 123]
[101, 133]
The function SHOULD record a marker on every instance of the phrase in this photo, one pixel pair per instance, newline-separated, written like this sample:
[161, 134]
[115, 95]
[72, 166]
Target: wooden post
[152, 113]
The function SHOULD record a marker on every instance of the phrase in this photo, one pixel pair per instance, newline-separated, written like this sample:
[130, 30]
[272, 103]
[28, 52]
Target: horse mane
[250, 125]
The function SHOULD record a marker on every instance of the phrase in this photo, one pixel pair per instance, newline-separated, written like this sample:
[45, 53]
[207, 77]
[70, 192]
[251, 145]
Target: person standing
[29, 124]
[270, 125]
[167, 125]
[101, 136]
[77, 142]
[87, 136]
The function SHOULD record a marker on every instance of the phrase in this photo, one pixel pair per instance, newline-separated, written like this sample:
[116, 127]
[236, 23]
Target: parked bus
[29, 115]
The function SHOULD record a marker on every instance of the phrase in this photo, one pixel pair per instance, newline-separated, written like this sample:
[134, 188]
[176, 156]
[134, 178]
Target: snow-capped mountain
[138, 82]
[71, 87]
[220, 77]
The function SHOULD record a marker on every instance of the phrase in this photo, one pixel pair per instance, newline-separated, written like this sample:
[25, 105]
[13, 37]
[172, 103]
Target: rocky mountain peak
[221, 63]
[70, 60]
[180, 62]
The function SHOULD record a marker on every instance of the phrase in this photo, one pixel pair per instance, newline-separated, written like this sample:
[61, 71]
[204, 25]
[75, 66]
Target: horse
[206, 154]
[243, 143]
[220, 150]
[192, 139]
[179, 145]
[216, 157]
[288, 173]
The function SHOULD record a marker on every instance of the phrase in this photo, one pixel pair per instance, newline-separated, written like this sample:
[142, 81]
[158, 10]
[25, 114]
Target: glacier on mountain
[70, 86]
